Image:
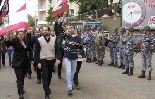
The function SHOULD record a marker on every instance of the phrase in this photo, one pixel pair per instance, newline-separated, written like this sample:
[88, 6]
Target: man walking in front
[46, 51]
[73, 43]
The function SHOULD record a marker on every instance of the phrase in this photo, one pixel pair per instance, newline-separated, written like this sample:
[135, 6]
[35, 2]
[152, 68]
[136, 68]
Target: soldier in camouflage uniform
[147, 48]
[93, 47]
[114, 39]
[129, 51]
[87, 41]
[121, 47]
[100, 46]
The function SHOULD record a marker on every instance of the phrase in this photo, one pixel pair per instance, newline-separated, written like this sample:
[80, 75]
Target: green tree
[102, 6]
[50, 17]
[31, 20]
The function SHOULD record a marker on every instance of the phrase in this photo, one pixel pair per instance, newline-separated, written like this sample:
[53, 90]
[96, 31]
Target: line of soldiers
[125, 43]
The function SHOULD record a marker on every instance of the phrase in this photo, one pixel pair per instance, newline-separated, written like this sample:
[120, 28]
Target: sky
[31, 4]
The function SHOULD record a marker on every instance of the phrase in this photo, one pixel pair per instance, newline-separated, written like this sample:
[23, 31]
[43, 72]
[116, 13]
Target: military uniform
[121, 47]
[147, 48]
[100, 47]
[93, 47]
[129, 53]
[114, 39]
[88, 39]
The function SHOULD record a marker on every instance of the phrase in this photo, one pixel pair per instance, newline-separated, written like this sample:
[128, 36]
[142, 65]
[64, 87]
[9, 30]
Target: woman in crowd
[10, 50]
[2, 51]
[22, 54]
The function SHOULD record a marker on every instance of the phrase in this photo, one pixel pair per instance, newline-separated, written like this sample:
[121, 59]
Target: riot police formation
[93, 48]
[114, 39]
[147, 47]
[129, 51]
[121, 47]
[88, 39]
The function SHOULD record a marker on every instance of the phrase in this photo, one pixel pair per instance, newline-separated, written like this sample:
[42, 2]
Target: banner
[60, 7]
[17, 17]
[138, 13]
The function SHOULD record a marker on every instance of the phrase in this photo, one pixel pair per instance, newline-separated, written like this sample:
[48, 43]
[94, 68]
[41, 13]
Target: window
[71, 11]
[50, 1]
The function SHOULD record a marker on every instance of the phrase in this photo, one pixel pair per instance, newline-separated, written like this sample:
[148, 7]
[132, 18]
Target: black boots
[121, 65]
[97, 61]
[130, 72]
[126, 71]
[100, 63]
[111, 64]
[142, 75]
[94, 59]
[88, 60]
[149, 76]
[116, 64]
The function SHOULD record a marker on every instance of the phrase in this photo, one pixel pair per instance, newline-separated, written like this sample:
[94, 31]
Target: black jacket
[59, 39]
[21, 53]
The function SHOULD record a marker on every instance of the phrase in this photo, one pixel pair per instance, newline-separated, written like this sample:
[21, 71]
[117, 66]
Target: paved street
[95, 83]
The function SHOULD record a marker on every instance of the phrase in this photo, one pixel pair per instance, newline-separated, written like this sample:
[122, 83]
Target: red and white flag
[17, 16]
[60, 7]
[4, 10]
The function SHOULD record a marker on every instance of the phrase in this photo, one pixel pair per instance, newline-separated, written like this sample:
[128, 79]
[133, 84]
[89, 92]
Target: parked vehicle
[106, 35]
[138, 38]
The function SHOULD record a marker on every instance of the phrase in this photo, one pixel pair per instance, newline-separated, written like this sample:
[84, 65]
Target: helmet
[130, 28]
[122, 29]
[99, 28]
[142, 28]
[147, 28]
[115, 29]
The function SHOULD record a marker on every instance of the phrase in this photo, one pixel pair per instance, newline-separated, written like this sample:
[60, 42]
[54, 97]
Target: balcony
[41, 8]
[41, 19]
[42, 22]
[49, 2]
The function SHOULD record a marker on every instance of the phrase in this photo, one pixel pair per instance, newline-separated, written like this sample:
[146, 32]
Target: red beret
[87, 29]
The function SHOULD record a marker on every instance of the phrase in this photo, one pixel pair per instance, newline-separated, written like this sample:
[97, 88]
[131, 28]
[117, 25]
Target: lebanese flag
[17, 17]
[4, 10]
[60, 7]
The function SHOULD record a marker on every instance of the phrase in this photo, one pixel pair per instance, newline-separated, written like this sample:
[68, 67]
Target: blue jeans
[10, 53]
[70, 66]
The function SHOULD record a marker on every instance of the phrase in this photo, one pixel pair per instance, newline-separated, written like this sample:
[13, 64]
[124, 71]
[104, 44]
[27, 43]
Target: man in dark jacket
[30, 40]
[59, 42]
[35, 39]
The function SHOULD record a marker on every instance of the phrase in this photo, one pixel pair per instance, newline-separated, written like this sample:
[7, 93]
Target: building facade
[44, 5]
